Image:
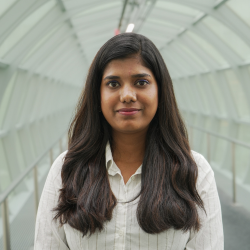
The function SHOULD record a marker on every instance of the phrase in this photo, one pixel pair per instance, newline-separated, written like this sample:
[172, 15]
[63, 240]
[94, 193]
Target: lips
[128, 111]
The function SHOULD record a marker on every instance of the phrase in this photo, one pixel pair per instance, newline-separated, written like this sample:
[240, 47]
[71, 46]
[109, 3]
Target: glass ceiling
[169, 24]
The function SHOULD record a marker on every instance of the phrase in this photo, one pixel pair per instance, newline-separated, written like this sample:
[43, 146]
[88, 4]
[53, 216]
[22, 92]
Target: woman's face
[129, 95]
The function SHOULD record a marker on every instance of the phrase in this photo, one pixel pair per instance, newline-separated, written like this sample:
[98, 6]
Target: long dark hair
[168, 196]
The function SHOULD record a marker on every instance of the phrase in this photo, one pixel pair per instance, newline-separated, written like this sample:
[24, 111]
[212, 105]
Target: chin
[130, 129]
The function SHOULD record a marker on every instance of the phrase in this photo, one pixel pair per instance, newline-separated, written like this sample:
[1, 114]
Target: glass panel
[158, 28]
[5, 177]
[193, 57]
[218, 94]
[43, 168]
[192, 96]
[1, 230]
[244, 134]
[221, 145]
[6, 98]
[39, 44]
[91, 20]
[25, 27]
[214, 125]
[22, 215]
[177, 8]
[37, 139]
[12, 147]
[153, 35]
[229, 37]
[72, 5]
[181, 90]
[242, 154]
[5, 5]
[241, 161]
[165, 23]
[27, 146]
[208, 48]
[204, 99]
[180, 100]
[238, 94]
[99, 8]
[241, 8]
[199, 142]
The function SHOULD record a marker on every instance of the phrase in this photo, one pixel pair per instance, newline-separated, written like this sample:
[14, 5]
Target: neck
[128, 152]
[129, 148]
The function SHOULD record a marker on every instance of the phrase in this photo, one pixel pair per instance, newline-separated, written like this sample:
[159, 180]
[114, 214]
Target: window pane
[39, 44]
[218, 94]
[241, 8]
[204, 95]
[5, 5]
[177, 8]
[25, 27]
[5, 177]
[6, 98]
[221, 145]
[200, 64]
[229, 37]
[165, 23]
[238, 94]
[98, 8]
[208, 48]
[244, 134]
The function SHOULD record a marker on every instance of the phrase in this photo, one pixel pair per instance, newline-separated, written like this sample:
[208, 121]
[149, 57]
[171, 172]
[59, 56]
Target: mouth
[128, 111]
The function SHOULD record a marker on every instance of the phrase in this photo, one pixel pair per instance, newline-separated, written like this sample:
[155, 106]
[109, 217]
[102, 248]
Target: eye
[113, 84]
[142, 83]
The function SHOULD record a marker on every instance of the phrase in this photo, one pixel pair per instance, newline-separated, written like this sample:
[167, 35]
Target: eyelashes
[143, 81]
[114, 84]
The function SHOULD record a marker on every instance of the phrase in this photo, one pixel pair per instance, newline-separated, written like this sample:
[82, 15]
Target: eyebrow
[112, 77]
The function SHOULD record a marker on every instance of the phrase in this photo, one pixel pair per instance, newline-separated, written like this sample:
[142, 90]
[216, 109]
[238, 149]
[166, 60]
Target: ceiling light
[130, 27]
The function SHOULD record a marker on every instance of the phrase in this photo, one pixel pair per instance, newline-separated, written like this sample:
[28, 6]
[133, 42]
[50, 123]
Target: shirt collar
[110, 164]
[108, 155]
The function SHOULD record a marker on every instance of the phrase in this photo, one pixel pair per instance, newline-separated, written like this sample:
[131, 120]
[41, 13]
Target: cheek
[104, 97]
[107, 102]
[152, 99]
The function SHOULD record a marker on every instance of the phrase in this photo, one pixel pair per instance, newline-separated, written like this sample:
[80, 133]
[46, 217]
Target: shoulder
[205, 172]
[55, 170]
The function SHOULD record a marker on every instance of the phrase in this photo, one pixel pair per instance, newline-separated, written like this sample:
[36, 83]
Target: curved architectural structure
[46, 47]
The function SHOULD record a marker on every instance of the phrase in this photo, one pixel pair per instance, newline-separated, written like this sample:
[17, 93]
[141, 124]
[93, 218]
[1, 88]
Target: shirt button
[121, 232]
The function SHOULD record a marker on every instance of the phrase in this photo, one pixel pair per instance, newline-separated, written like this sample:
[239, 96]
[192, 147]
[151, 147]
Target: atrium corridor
[46, 49]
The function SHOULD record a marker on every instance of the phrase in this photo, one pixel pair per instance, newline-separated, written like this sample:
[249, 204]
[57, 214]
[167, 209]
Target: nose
[128, 94]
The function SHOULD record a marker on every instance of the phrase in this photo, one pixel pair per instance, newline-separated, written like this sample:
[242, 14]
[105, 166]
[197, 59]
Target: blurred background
[46, 48]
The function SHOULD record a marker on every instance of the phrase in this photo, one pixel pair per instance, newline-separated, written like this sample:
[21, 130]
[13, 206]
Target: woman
[129, 179]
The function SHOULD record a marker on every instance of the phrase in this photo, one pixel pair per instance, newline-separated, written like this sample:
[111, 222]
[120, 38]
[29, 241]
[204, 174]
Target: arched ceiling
[59, 39]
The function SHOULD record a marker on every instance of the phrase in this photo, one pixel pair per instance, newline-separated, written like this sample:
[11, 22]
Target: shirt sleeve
[210, 236]
[48, 233]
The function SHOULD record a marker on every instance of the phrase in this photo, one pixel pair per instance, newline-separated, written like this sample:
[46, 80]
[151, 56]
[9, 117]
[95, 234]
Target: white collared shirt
[123, 231]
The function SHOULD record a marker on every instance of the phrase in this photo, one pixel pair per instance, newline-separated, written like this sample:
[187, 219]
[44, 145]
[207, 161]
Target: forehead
[126, 65]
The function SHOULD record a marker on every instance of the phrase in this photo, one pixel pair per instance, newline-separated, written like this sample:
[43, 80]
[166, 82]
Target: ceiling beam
[123, 11]
[63, 8]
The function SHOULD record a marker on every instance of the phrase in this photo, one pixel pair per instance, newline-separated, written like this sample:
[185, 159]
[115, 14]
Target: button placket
[121, 232]
[121, 213]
